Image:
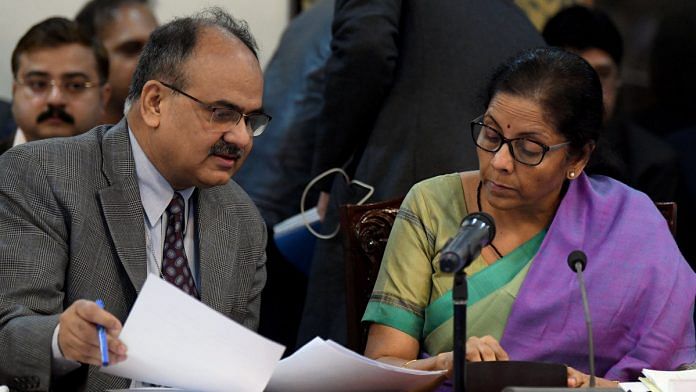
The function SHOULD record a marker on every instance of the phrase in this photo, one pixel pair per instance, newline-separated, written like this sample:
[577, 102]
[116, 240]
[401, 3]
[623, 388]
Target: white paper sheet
[149, 389]
[662, 378]
[635, 386]
[327, 366]
[177, 341]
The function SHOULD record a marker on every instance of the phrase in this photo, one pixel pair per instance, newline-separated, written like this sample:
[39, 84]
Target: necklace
[478, 202]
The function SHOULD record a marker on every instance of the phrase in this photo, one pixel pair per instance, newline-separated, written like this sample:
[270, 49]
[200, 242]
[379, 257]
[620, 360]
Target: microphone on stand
[475, 232]
[577, 262]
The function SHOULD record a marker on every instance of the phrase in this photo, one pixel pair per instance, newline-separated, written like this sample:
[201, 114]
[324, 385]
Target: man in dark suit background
[276, 174]
[90, 216]
[60, 82]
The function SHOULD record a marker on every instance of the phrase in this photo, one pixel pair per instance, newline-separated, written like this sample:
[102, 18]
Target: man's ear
[580, 162]
[150, 100]
[105, 96]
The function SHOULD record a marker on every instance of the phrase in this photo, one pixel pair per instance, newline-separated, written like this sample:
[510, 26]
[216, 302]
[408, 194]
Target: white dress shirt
[19, 138]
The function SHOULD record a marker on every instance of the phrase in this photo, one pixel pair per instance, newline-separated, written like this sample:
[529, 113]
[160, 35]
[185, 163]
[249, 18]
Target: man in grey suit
[90, 216]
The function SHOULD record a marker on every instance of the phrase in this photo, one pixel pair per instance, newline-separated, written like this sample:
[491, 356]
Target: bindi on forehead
[508, 126]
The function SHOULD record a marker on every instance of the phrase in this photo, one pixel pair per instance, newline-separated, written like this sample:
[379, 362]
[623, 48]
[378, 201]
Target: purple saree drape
[640, 289]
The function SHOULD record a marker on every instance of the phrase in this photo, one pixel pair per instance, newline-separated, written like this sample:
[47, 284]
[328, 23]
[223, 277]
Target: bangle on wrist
[405, 365]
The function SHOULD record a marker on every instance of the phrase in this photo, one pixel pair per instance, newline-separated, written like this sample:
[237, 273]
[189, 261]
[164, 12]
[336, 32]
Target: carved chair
[365, 233]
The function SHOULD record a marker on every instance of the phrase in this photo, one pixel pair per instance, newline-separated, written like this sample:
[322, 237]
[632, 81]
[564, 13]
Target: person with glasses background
[60, 82]
[89, 217]
[534, 139]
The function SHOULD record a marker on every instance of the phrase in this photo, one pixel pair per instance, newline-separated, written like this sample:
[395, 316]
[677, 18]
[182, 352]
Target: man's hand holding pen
[78, 338]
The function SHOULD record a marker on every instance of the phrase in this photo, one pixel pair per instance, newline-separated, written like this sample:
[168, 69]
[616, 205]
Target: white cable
[370, 191]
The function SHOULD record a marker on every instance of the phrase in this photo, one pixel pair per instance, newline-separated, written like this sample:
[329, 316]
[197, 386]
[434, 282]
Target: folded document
[670, 381]
[177, 341]
[324, 365]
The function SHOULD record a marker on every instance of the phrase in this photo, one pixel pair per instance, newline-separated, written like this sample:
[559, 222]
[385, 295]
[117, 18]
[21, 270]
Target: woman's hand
[578, 379]
[484, 349]
[389, 345]
[477, 349]
[442, 361]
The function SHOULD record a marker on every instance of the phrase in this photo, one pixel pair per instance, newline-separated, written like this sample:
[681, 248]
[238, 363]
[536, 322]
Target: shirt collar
[155, 190]
[19, 138]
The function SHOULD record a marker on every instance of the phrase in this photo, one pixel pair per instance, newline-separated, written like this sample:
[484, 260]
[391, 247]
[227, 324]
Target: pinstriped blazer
[71, 227]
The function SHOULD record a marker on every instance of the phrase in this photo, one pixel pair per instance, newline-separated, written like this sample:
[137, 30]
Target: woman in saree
[538, 130]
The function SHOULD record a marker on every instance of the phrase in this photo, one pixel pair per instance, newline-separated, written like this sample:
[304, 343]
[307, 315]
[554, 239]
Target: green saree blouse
[412, 294]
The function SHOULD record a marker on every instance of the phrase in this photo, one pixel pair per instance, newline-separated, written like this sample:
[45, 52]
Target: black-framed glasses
[41, 86]
[523, 150]
[223, 118]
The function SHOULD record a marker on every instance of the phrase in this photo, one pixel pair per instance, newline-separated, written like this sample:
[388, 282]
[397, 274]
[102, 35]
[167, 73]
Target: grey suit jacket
[71, 227]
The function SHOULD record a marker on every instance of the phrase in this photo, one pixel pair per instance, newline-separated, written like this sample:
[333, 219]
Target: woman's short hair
[563, 83]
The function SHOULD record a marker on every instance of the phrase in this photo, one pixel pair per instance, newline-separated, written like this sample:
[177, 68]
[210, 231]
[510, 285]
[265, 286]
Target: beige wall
[267, 19]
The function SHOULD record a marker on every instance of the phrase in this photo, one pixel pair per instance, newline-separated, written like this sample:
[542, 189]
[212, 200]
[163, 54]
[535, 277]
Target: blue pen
[103, 344]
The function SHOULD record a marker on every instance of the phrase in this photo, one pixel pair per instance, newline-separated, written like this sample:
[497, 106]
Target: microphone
[577, 262]
[476, 231]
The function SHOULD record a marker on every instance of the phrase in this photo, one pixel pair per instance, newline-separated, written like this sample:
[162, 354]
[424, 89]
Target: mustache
[54, 111]
[226, 149]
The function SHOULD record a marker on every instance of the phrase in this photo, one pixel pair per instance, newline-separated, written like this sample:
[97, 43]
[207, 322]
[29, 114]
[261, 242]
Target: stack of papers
[324, 365]
[663, 381]
[666, 381]
[177, 341]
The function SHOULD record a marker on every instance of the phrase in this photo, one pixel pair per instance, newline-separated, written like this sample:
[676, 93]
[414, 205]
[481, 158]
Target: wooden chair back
[365, 233]
[669, 211]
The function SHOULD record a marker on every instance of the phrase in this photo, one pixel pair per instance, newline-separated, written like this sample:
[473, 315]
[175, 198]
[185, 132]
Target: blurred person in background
[60, 83]
[626, 150]
[281, 164]
[123, 27]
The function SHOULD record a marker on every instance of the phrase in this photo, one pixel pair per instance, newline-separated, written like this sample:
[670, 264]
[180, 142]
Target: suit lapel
[216, 228]
[121, 204]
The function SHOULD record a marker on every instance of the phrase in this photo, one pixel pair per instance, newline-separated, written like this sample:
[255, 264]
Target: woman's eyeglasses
[523, 150]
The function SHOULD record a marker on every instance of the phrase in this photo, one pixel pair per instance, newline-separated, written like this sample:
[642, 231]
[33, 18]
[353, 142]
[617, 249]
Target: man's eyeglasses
[41, 86]
[523, 150]
[222, 118]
